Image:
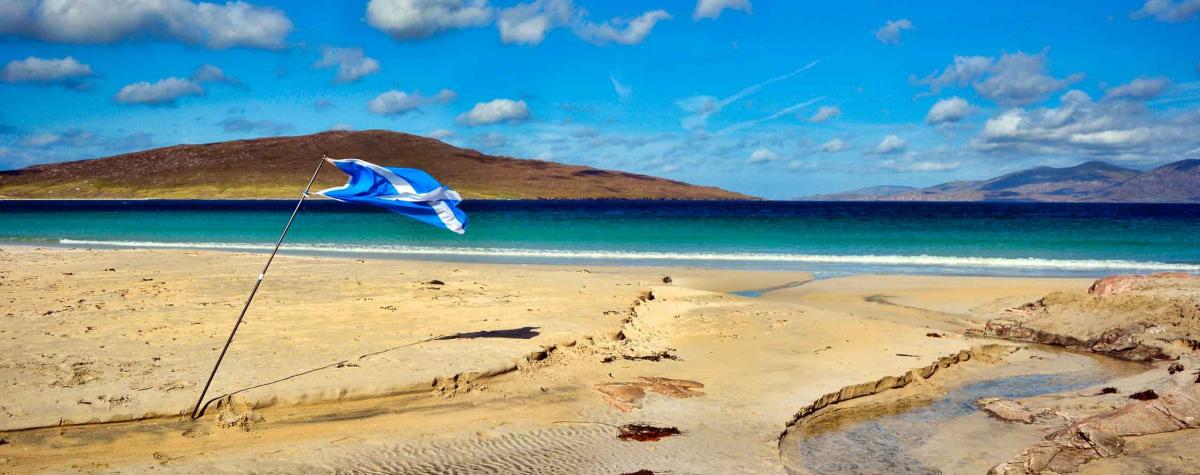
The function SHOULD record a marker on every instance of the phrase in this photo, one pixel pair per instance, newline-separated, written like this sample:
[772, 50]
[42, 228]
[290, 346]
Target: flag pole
[197, 411]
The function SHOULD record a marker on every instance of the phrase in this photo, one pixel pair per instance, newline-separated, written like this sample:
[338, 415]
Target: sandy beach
[391, 366]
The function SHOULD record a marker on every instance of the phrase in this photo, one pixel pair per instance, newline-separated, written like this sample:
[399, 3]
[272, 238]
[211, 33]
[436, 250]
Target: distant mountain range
[1094, 181]
[278, 167]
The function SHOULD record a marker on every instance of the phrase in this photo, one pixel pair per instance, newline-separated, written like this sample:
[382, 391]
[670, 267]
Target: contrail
[783, 112]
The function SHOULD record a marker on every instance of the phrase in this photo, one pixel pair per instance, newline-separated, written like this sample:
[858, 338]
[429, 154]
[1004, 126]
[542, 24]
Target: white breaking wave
[874, 260]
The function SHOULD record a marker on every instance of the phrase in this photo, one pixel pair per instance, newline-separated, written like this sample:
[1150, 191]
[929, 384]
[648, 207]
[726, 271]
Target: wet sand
[370, 366]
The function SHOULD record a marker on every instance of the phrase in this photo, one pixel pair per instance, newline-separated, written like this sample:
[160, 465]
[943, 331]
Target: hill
[278, 167]
[1094, 181]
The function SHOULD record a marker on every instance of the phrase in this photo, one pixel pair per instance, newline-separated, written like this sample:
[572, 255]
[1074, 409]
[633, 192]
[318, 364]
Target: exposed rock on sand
[1102, 435]
[1133, 317]
[1006, 409]
[629, 395]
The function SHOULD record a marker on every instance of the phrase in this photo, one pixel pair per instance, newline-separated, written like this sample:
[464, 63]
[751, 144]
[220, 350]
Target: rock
[1174, 368]
[1116, 284]
[1146, 395]
[1006, 410]
[667, 279]
[436, 282]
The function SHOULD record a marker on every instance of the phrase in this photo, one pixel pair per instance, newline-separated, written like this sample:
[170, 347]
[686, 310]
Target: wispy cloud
[700, 108]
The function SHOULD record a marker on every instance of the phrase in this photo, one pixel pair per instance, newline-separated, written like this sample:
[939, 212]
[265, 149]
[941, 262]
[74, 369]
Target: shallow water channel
[945, 434]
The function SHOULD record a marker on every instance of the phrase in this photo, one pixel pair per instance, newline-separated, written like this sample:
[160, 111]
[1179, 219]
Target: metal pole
[196, 412]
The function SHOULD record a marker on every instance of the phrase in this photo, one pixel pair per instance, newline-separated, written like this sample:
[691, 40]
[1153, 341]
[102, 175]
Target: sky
[777, 99]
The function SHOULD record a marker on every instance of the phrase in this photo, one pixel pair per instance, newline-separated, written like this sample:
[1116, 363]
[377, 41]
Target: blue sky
[777, 99]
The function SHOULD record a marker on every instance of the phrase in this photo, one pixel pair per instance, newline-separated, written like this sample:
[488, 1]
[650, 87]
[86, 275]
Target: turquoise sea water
[972, 238]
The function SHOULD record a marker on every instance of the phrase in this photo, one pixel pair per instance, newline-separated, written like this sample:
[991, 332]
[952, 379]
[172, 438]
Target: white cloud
[889, 33]
[1013, 80]
[762, 155]
[440, 134]
[234, 23]
[620, 31]
[964, 70]
[67, 72]
[528, 23]
[494, 112]
[166, 92]
[1123, 130]
[411, 19]
[909, 164]
[342, 127]
[713, 8]
[351, 63]
[162, 92]
[891, 144]
[825, 113]
[1139, 89]
[395, 103]
[949, 110]
[624, 92]
[833, 146]
[1168, 10]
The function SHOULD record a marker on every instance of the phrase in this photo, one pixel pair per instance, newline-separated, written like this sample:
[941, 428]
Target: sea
[828, 238]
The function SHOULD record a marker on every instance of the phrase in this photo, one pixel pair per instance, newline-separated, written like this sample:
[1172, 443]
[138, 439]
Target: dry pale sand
[366, 367]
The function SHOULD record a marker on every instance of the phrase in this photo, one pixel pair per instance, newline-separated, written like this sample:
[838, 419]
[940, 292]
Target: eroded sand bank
[372, 367]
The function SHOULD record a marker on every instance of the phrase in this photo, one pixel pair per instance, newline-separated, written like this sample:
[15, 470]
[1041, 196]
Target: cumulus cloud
[341, 127]
[949, 110]
[1168, 10]
[762, 155]
[825, 113]
[494, 112]
[162, 92]
[891, 144]
[217, 26]
[889, 33]
[238, 124]
[167, 92]
[66, 72]
[395, 102]
[1015, 79]
[834, 146]
[624, 92]
[413, 19]
[352, 64]
[1139, 89]
[621, 31]
[1125, 130]
[713, 8]
[528, 23]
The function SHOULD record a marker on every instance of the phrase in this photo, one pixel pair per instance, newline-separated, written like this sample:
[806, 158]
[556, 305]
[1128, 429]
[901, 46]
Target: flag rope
[200, 406]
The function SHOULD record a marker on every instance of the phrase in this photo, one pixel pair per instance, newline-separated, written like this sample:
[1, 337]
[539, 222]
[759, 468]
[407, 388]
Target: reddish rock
[1115, 284]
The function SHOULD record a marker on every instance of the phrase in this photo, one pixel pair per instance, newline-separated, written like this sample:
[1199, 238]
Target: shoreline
[833, 265]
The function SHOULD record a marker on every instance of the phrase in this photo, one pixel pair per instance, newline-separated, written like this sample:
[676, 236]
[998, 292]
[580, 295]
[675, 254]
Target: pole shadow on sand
[520, 333]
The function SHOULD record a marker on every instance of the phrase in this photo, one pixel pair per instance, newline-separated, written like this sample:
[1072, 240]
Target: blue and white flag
[407, 191]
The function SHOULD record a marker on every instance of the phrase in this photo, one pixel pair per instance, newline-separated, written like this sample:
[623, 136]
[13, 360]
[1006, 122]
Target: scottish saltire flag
[407, 191]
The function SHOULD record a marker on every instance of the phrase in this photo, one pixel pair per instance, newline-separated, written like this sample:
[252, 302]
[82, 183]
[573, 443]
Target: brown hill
[278, 167]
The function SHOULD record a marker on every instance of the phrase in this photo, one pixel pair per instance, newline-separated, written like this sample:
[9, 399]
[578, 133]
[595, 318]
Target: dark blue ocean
[950, 238]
